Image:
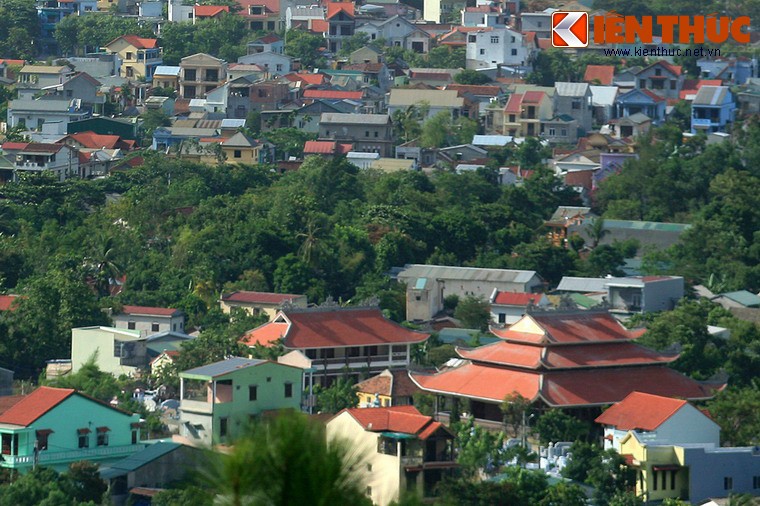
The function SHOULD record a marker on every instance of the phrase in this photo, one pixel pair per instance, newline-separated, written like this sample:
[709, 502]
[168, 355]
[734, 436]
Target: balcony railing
[46, 457]
[196, 406]
[705, 122]
[338, 362]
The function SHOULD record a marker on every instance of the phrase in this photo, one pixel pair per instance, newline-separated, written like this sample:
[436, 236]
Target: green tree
[564, 494]
[735, 411]
[340, 395]
[91, 381]
[305, 46]
[479, 449]
[286, 461]
[471, 77]
[555, 425]
[473, 312]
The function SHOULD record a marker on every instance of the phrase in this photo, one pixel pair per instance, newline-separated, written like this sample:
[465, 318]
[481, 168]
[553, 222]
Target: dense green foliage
[80, 34]
[80, 485]
[19, 27]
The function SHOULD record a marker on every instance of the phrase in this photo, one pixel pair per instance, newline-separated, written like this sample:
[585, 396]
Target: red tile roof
[395, 384]
[8, 401]
[8, 61]
[265, 334]
[568, 328]
[533, 97]
[308, 78]
[505, 353]
[587, 387]
[138, 42]
[602, 74]
[151, 311]
[516, 298]
[640, 411]
[333, 94]
[330, 328]
[96, 141]
[268, 39]
[209, 11]
[33, 147]
[603, 355]
[481, 382]
[319, 26]
[333, 8]
[514, 103]
[270, 7]
[326, 148]
[654, 96]
[7, 302]
[380, 384]
[401, 419]
[259, 297]
[692, 86]
[34, 405]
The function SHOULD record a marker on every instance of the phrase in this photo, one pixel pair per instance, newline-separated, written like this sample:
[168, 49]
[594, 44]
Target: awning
[398, 435]
[44, 432]
[83, 431]
[103, 429]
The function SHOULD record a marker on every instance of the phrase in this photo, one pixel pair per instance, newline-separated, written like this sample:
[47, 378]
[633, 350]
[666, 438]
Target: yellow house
[256, 303]
[389, 388]
[401, 448]
[166, 358]
[140, 57]
[213, 150]
[660, 469]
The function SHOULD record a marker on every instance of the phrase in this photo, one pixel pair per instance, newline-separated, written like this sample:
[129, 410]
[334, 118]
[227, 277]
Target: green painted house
[219, 400]
[58, 426]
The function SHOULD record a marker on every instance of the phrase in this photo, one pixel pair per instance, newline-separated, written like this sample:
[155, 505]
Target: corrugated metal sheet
[466, 273]
[571, 89]
[582, 285]
[223, 367]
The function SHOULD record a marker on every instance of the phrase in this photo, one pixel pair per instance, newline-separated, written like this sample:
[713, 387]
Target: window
[643, 84]
[102, 439]
[42, 438]
[756, 482]
[154, 327]
[369, 468]
[278, 67]
[514, 52]
[129, 56]
[84, 438]
[222, 427]
[658, 72]
[673, 84]
[134, 436]
[728, 483]
[288, 390]
[540, 24]
[253, 392]
[377, 134]
[237, 153]
[502, 318]
[654, 480]
[369, 491]
[69, 93]
[563, 132]
[576, 104]
[673, 479]
[512, 39]
[212, 75]
[494, 39]
[471, 38]
[482, 51]
[552, 131]
[366, 134]
[131, 325]
[189, 74]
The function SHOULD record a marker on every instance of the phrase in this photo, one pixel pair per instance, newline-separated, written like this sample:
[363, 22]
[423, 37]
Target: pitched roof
[319, 26]
[7, 302]
[247, 297]
[137, 42]
[516, 298]
[34, 405]
[308, 78]
[570, 328]
[335, 327]
[602, 74]
[137, 460]
[568, 388]
[209, 11]
[326, 148]
[476, 89]
[333, 8]
[673, 69]
[533, 97]
[379, 384]
[435, 98]
[565, 357]
[223, 367]
[333, 94]
[357, 119]
[711, 95]
[96, 141]
[640, 411]
[150, 311]
[400, 419]
[566, 89]
[514, 103]
[392, 383]
[466, 273]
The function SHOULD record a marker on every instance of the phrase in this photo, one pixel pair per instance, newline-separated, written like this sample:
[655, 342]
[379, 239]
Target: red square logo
[570, 29]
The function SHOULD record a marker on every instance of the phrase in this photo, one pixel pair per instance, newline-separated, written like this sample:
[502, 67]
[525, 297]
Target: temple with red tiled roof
[561, 360]
[338, 340]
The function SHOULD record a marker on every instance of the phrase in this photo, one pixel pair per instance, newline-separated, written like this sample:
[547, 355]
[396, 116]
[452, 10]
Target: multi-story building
[662, 78]
[60, 159]
[55, 427]
[491, 47]
[218, 401]
[341, 24]
[712, 109]
[256, 303]
[115, 351]
[574, 100]
[524, 113]
[368, 132]
[335, 341]
[140, 57]
[52, 12]
[404, 449]
[200, 73]
[149, 320]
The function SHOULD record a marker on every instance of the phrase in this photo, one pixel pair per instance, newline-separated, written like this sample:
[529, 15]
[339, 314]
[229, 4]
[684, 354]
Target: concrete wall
[144, 324]
[99, 341]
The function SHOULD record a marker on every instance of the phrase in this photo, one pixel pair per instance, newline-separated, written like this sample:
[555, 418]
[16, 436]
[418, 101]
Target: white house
[509, 307]
[61, 159]
[657, 419]
[428, 285]
[115, 351]
[490, 47]
[276, 64]
[397, 32]
[150, 320]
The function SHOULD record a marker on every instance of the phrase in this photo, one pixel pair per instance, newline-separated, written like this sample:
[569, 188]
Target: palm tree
[104, 264]
[284, 461]
[312, 245]
[596, 231]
